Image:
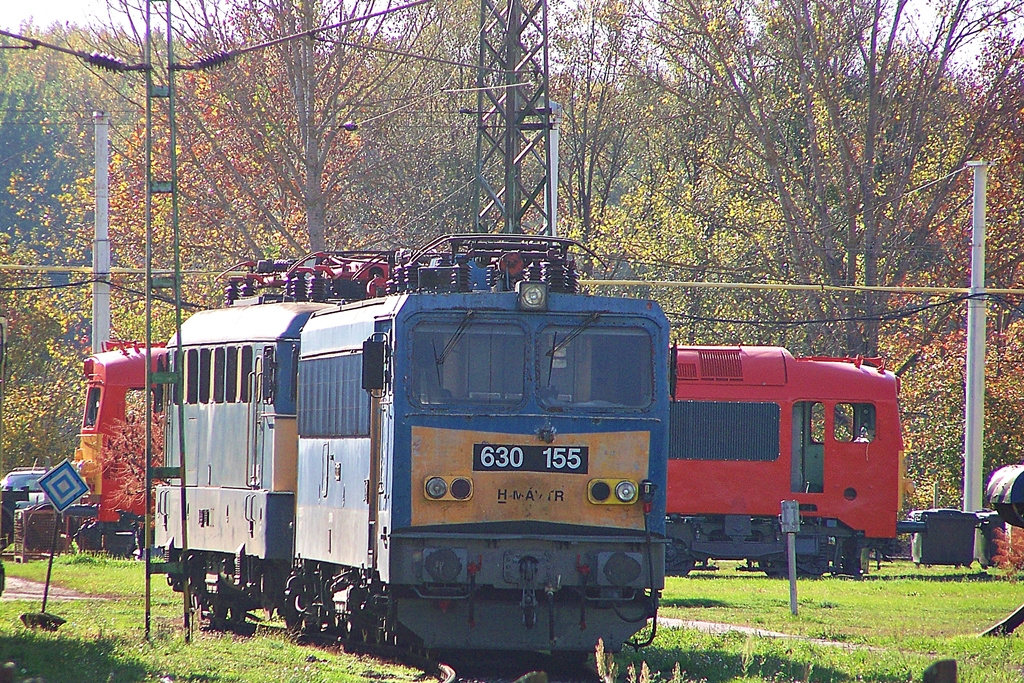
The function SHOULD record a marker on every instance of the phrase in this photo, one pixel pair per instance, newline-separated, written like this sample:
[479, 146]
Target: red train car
[114, 398]
[753, 426]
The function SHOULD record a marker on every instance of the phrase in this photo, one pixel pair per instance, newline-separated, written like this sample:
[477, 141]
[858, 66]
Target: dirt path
[715, 627]
[23, 589]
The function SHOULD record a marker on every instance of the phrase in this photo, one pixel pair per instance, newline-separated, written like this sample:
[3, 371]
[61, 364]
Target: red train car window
[854, 422]
[92, 407]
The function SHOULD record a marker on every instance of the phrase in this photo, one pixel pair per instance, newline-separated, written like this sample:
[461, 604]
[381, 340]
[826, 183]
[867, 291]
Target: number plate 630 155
[489, 457]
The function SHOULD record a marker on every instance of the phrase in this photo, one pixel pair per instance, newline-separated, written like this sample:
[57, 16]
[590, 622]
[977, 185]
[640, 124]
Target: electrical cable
[218, 58]
[894, 315]
[97, 59]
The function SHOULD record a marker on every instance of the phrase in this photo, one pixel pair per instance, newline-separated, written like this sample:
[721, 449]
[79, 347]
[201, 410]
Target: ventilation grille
[719, 430]
[686, 371]
[722, 364]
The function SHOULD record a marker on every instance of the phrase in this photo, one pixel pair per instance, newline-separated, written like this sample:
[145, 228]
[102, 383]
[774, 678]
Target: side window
[818, 422]
[854, 422]
[92, 407]
[192, 376]
[231, 375]
[269, 374]
[160, 390]
[175, 365]
[218, 375]
[246, 370]
[204, 375]
[332, 401]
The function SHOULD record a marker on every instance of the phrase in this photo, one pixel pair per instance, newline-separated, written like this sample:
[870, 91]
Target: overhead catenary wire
[218, 58]
[795, 287]
[675, 284]
[97, 59]
[898, 314]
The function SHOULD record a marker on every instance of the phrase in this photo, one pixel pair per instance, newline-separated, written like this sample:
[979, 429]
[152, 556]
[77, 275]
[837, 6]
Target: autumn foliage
[124, 460]
[1009, 551]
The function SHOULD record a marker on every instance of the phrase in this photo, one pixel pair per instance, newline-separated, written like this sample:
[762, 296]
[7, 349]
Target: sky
[46, 12]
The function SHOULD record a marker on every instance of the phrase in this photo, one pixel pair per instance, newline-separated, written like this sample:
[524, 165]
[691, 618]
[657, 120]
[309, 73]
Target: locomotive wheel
[678, 560]
[849, 559]
[290, 615]
[218, 613]
[775, 569]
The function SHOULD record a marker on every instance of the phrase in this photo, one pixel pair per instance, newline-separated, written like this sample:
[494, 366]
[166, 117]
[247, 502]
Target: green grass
[890, 626]
[104, 640]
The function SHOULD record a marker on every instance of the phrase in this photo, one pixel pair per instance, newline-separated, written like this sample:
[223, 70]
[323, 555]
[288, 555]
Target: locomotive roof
[266, 322]
[725, 369]
[124, 366]
[347, 326]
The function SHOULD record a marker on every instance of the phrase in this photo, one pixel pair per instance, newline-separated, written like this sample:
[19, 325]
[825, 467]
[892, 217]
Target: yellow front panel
[89, 460]
[501, 496]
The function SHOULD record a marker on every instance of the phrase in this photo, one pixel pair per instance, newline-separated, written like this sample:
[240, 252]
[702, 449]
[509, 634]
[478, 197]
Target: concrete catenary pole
[552, 188]
[101, 239]
[974, 403]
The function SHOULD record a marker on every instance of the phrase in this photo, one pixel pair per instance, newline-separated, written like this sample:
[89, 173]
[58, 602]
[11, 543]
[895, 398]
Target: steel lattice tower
[513, 144]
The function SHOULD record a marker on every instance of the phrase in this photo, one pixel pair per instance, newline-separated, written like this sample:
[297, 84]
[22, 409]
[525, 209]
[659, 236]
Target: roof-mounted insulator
[208, 62]
[108, 62]
[273, 265]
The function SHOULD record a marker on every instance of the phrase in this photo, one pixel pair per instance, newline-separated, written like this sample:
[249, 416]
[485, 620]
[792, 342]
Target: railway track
[456, 666]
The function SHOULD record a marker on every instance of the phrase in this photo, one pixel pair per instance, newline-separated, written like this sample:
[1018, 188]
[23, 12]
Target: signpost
[63, 486]
[790, 522]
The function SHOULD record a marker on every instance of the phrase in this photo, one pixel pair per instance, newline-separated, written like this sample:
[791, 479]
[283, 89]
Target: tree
[269, 129]
[839, 115]
[46, 155]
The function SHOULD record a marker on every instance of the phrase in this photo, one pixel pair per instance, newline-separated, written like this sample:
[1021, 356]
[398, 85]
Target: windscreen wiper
[450, 346]
[557, 346]
[575, 332]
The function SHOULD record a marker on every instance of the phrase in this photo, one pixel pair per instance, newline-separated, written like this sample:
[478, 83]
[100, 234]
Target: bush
[1009, 554]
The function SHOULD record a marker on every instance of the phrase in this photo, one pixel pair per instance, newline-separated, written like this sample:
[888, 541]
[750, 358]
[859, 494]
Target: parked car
[19, 488]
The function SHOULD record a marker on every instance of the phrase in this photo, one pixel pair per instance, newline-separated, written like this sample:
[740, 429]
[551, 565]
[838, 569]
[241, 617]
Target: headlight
[533, 296]
[600, 491]
[462, 488]
[613, 491]
[436, 487]
[625, 491]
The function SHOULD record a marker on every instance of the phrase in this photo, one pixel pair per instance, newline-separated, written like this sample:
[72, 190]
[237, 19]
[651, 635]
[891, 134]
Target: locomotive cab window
[467, 361]
[92, 407]
[596, 367]
[854, 422]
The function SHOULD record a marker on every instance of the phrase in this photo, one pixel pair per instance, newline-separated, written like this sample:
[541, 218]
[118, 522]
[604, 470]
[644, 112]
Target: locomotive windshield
[597, 367]
[467, 361]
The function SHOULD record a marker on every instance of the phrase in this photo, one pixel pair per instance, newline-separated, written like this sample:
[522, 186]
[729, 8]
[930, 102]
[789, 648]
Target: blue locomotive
[451, 448]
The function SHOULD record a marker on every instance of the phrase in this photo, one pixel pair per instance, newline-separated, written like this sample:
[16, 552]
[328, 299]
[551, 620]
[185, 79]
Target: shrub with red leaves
[124, 459]
[1009, 554]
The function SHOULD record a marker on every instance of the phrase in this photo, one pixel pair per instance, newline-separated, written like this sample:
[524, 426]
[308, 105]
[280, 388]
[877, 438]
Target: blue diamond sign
[64, 485]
